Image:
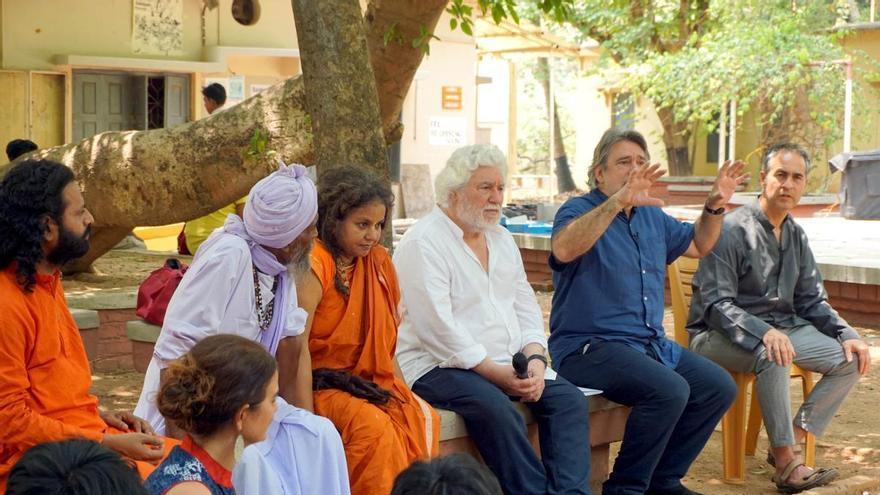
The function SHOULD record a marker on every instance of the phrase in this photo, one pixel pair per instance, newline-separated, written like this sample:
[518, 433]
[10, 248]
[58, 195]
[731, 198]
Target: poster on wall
[157, 27]
[447, 131]
[235, 90]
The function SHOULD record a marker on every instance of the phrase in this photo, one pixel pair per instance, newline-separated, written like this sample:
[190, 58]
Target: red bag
[155, 292]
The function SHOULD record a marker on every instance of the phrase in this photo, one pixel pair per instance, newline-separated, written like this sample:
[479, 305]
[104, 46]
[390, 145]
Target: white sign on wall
[447, 131]
[157, 27]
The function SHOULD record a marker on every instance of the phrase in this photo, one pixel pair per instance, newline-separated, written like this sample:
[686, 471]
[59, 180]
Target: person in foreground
[610, 248]
[351, 295]
[44, 371]
[73, 467]
[467, 310]
[759, 305]
[222, 389]
[454, 474]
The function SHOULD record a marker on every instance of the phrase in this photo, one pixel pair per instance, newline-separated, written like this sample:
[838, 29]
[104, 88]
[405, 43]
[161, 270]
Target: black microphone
[521, 365]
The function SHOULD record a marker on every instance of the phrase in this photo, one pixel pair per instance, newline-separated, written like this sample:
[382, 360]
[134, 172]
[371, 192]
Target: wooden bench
[607, 419]
[88, 322]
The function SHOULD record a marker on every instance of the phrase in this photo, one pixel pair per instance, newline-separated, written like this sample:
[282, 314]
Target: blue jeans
[673, 410]
[499, 430]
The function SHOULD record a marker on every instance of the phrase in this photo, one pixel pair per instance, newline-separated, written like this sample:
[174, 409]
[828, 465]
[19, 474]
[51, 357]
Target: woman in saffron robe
[351, 296]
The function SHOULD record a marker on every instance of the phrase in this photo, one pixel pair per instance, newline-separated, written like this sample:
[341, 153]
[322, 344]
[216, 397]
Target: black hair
[341, 190]
[775, 149]
[455, 474]
[326, 378]
[73, 467]
[216, 92]
[30, 193]
[18, 147]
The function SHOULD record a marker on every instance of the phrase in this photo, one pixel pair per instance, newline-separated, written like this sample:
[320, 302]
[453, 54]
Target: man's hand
[859, 347]
[729, 176]
[136, 446]
[126, 421]
[635, 191]
[779, 348]
[536, 371]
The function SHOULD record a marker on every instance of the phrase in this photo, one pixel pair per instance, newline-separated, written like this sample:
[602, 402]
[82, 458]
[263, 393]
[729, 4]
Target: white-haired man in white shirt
[467, 309]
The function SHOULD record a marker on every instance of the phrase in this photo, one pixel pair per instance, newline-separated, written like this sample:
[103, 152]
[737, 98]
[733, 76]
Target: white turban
[281, 207]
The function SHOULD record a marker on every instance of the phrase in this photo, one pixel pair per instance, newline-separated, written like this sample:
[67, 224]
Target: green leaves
[423, 39]
[258, 142]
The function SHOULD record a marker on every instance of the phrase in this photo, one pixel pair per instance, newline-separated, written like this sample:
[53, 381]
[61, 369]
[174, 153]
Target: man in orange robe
[352, 334]
[44, 371]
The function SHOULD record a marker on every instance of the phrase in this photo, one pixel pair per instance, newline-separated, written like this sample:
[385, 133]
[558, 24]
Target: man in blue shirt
[610, 251]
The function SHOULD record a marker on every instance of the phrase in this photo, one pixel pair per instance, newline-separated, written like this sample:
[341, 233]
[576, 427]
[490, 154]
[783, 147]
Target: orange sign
[451, 98]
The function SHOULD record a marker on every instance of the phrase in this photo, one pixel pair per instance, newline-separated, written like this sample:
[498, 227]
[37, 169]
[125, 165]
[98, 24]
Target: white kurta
[216, 296]
[454, 313]
[302, 455]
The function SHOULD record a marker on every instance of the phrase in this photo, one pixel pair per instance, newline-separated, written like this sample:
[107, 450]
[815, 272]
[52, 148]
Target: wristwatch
[539, 357]
[717, 211]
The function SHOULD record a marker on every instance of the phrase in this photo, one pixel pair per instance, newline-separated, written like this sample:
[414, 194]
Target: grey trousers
[814, 351]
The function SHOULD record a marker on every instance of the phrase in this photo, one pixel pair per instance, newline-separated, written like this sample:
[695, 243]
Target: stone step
[86, 319]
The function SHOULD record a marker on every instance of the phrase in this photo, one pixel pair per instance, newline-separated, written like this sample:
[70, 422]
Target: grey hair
[609, 139]
[781, 147]
[461, 165]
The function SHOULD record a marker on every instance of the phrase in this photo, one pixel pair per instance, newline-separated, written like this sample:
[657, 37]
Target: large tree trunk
[675, 138]
[340, 88]
[564, 181]
[395, 63]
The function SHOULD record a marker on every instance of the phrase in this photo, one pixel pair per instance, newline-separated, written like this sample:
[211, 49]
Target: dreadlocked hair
[326, 378]
[341, 190]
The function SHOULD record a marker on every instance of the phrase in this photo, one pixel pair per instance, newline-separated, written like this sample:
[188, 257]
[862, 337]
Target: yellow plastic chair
[737, 441]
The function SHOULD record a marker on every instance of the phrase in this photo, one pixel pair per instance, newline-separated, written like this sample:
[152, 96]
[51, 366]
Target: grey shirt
[751, 282]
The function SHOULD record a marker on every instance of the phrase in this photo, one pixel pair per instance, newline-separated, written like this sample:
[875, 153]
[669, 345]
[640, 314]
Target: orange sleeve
[21, 426]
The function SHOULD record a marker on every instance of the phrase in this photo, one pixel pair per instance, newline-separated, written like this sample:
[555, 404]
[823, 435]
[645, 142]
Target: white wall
[452, 62]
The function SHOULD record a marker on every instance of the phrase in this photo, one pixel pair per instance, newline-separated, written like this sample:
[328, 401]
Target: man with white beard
[467, 308]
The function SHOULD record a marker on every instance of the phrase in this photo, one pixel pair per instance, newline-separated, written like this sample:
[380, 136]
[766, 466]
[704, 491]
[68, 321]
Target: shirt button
[643, 271]
[645, 298]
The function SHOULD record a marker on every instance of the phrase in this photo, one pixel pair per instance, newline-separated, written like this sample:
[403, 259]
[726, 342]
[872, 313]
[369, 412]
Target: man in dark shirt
[610, 251]
[759, 305]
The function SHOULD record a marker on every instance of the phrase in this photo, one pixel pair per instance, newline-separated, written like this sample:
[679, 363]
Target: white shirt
[454, 313]
[216, 295]
[301, 455]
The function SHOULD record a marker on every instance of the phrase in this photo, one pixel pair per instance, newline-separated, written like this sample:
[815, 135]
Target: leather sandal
[796, 449]
[819, 477]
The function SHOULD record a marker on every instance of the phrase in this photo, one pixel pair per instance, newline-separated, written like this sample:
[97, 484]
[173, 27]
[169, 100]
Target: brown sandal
[819, 477]
[796, 449]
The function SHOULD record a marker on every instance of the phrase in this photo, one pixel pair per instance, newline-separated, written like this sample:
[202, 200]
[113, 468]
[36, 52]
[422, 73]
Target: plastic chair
[737, 439]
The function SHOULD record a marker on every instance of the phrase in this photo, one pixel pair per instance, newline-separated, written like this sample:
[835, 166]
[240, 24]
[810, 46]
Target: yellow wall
[864, 47]
[13, 107]
[34, 31]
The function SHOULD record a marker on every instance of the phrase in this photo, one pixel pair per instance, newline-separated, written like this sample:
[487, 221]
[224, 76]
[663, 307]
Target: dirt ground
[851, 444]
[120, 268]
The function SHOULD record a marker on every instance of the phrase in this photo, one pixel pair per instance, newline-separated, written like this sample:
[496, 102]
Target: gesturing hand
[638, 184]
[729, 176]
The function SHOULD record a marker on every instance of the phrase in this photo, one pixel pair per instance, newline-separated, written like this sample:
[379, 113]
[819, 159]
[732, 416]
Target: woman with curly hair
[351, 296]
[222, 389]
